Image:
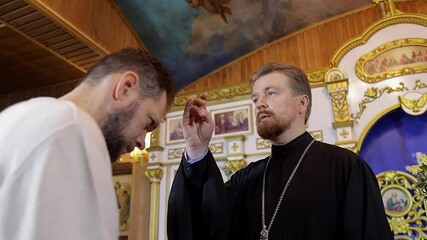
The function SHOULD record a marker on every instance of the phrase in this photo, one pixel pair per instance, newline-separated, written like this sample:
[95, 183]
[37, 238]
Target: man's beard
[273, 128]
[113, 130]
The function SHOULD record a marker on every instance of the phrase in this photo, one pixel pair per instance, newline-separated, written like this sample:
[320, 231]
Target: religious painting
[122, 182]
[232, 121]
[193, 38]
[174, 131]
[396, 200]
[400, 57]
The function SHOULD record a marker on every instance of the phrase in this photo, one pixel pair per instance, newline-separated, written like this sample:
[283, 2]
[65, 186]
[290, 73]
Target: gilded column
[154, 173]
[155, 176]
[337, 86]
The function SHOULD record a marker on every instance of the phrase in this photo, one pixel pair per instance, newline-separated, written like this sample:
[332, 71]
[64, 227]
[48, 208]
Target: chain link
[283, 191]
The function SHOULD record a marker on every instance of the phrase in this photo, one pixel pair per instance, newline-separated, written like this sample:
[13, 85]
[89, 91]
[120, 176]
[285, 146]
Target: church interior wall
[324, 124]
[300, 48]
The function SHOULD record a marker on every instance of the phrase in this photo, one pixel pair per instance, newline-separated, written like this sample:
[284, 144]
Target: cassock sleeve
[197, 202]
[362, 193]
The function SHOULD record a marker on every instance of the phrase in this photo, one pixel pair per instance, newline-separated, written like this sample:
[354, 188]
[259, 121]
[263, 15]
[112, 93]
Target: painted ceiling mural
[194, 37]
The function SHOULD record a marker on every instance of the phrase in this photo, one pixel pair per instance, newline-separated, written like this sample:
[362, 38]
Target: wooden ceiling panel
[44, 36]
[29, 18]
[82, 56]
[43, 29]
[58, 39]
[2, 2]
[88, 60]
[33, 24]
[85, 51]
[39, 28]
[18, 13]
[11, 6]
[25, 65]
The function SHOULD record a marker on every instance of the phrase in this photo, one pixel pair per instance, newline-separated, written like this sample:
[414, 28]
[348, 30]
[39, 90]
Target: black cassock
[333, 195]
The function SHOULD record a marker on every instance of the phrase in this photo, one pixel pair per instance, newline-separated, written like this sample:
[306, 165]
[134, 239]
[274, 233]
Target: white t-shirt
[55, 174]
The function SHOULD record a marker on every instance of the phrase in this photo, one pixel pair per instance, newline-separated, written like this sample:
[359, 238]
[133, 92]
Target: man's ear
[125, 85]
[303, 103]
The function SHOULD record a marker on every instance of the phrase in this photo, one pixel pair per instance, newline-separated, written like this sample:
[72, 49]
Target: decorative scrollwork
[317, 77]
[419, 85]
[215, 94]
[154, 174]
[372, 94]
[410, 219]
[340, 106]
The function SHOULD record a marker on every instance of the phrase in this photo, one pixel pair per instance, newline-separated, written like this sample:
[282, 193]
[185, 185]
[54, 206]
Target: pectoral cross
[263, 234]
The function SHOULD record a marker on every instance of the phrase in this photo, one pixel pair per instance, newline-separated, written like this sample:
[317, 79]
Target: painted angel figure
[213, 6]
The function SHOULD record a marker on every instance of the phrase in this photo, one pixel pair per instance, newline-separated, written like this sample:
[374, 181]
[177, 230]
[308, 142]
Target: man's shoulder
[39, 118]
[43, 112]
[327, 149]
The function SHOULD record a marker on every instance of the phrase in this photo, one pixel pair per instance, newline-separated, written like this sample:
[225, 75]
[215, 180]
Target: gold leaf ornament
[414, 103]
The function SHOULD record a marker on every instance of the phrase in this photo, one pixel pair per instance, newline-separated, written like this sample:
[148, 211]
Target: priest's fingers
[198, 113]
[187, 119]
[200, 102]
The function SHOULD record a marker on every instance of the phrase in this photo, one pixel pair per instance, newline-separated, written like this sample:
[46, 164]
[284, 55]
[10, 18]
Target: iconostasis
[372, 100]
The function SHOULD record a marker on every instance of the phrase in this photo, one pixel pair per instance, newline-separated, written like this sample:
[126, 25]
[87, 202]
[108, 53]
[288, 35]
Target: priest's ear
[303, 102]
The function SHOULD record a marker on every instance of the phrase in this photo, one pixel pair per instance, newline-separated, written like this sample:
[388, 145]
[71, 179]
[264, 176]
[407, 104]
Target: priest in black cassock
[305, 190]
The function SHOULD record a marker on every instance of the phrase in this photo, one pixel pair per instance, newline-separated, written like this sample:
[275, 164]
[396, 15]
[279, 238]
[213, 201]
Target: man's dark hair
[154, 79]
[298, 80]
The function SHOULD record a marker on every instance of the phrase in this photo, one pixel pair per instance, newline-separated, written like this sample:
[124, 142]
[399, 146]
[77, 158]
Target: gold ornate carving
[216, 148]
[372, 29]
[154, 174]
[370, 69]
[392, 8]
[317, 77]
[175, 153]
[215, 95]
[235, 146]
[419, 171]
[154, 138]
[340, 106]
[408, 216]
[419, 85]
[235, 165]
[372, 94]
[262, 143]
[318, 135]
[344, 133]
[337, 85]
[413, 102]
[343, 124]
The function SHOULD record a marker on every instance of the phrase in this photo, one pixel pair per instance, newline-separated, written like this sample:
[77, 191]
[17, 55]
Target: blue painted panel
[394, 140]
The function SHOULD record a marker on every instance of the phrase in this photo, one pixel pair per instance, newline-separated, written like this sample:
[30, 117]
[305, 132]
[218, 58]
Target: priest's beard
[113, 131]
[273, 127]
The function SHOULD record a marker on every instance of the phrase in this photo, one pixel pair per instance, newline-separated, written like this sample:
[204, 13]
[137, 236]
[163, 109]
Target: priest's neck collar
[296, 145]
